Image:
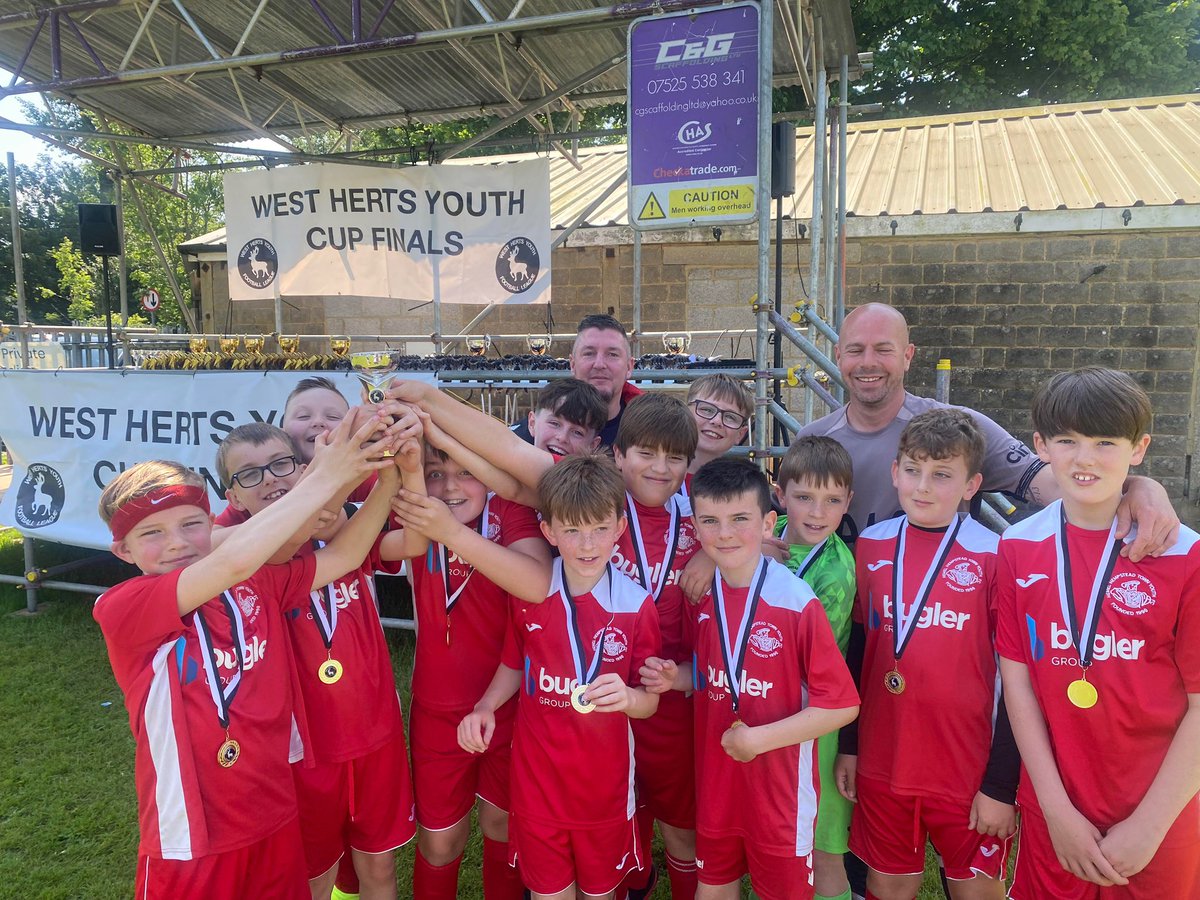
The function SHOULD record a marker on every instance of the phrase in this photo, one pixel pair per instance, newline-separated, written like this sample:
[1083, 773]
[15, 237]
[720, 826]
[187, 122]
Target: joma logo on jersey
[718, 680]
[962, 574]
[256, 650]
[1105, 646]
[714, 46]
[1131, 595]
[932, 616]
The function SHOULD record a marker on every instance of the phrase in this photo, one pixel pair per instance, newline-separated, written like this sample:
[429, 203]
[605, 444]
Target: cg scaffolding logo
[715, 46]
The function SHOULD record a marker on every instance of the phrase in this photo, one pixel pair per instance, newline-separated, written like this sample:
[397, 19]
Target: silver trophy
[375, 371]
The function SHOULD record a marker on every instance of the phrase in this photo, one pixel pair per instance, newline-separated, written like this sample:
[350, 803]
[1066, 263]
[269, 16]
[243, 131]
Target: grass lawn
[68, 815]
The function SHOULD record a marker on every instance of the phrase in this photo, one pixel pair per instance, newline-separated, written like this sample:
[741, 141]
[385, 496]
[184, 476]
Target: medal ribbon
[444, 557]
[639, 549]
[735, 663]
[1084, 638]
[326, 621]
[812, 557]
[222, 697]
[573, 636]
[904, 626]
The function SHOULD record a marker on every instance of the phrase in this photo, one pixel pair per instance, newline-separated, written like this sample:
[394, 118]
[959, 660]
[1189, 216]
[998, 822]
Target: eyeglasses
[253, 476]
[729, 418]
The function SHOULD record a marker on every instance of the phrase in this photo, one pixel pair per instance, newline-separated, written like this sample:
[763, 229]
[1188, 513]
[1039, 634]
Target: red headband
[154, 501]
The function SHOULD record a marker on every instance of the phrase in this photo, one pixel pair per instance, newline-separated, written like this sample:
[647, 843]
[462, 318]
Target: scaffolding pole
[763, 306]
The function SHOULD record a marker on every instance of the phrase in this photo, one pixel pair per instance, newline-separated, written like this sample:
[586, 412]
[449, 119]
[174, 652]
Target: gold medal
[580, 701]
[894, 681]
[1082, 693]
[229, 752]
[330, 671]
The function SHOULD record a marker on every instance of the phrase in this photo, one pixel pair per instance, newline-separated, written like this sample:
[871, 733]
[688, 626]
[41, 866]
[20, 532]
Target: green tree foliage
[178, 205]
[943, 56]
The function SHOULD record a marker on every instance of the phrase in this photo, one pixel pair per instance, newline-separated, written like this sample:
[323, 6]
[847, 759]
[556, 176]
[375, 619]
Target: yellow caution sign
[727, 200]
[651, 209]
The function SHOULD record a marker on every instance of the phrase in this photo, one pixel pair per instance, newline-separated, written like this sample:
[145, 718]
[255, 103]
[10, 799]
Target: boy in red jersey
[1101, 664]
[655, 442]
[928, 756]
[484, 549]
[768, 680]
[354, 789]
[194, 645]
[576, 655]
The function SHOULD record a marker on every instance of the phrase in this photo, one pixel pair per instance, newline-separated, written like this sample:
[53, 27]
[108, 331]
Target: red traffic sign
[151, 300]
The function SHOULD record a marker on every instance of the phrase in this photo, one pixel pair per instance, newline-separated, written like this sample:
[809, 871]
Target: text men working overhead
[873, 354]
[601, 357]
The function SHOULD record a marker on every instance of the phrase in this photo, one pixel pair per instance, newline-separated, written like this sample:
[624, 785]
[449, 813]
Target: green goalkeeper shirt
[831, 577]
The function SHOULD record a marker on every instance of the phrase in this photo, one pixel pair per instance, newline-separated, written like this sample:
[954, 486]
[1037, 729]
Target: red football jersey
[571, 769]
[458, 650]
[1145, 660]
[360, 712]
[791, 662]
[654, 527]
[934, 738]
[188, 804]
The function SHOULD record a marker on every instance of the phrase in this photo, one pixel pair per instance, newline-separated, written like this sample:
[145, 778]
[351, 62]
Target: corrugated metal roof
[431, 82]
[1143, 152]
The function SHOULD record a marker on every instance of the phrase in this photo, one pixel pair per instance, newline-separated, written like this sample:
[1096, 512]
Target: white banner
[69, 433]
[459, 234]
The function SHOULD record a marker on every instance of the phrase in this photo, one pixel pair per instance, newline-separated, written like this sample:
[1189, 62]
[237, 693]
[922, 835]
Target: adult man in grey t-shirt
[873, 354]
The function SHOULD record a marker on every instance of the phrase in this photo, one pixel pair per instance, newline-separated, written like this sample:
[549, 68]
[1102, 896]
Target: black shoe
[643, 893]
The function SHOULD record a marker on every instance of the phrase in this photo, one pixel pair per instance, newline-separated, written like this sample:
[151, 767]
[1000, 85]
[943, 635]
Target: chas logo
[693, 132]
[715, 46]
[40, 497]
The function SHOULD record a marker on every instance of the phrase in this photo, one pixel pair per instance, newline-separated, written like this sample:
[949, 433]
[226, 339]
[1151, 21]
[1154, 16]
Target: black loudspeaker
[98, 229]
[783, 160]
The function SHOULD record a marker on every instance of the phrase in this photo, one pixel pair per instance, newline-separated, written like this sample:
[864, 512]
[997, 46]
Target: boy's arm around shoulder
[342, 458]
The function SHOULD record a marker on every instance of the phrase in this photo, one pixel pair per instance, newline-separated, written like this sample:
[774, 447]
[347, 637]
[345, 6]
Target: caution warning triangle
[651, 209]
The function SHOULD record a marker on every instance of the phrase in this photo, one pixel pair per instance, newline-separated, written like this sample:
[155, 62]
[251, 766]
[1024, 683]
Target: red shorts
[272, 867]
[724, 860]
[1173, 872]
[446, 777]
[551, 858]
[665, 761]
[888, 832]
[365, 803]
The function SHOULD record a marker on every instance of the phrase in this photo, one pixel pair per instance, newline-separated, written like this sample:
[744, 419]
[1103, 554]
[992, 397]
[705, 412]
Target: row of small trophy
[253, 356]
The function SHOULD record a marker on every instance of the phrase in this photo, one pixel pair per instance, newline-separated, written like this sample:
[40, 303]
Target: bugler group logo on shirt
[962, 574]
[1131, 595]
[616, 644]
[766, 640]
